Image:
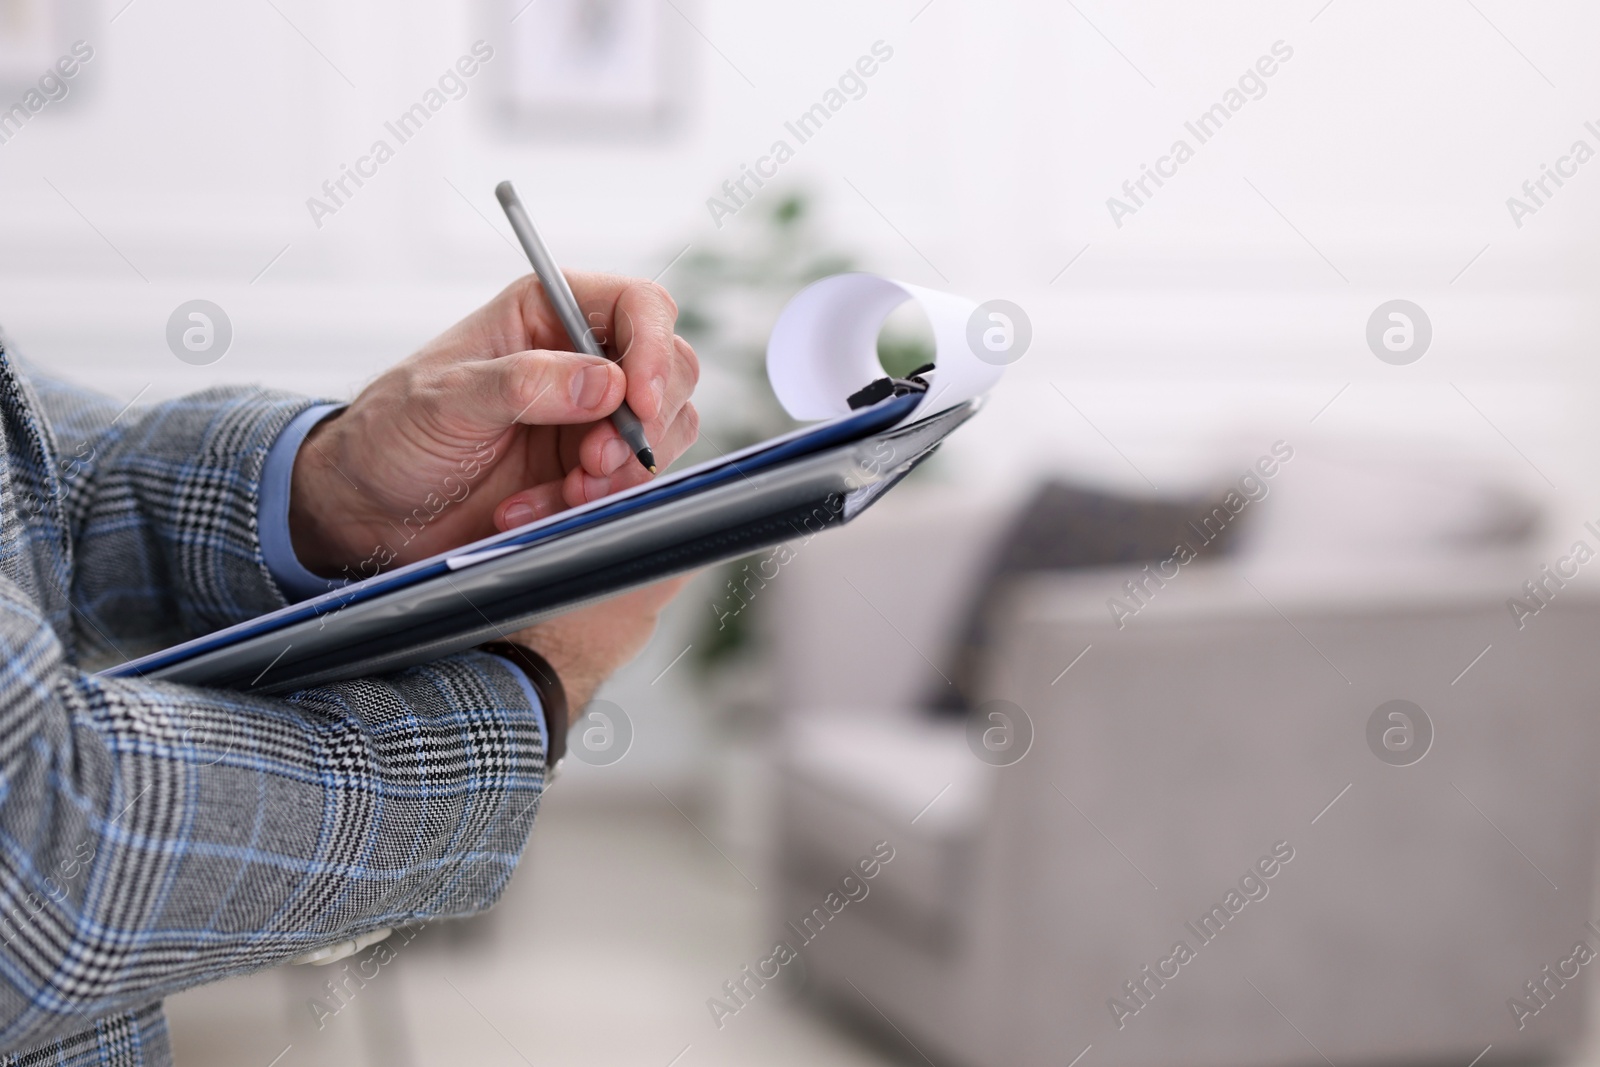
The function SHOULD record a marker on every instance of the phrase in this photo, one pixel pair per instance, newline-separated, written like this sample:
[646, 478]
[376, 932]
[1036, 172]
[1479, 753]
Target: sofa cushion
[850, 782]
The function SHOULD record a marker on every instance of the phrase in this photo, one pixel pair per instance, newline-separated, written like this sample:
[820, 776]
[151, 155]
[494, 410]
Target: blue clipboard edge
[535, 585]
[742, 463]
[463, 609]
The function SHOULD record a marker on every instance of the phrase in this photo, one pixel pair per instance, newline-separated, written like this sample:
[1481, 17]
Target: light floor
[620, 924]
[618, 927]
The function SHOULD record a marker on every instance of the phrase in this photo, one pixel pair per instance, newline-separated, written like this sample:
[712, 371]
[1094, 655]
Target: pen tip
[647, 459]
[652, 468]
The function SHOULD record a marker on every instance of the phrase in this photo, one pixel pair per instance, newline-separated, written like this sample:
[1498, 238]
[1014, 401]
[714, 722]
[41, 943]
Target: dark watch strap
[552, 694]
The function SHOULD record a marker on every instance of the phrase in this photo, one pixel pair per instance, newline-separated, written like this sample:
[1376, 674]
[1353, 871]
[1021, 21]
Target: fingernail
[658, 389]
[595, 488]
[589, 385]
[518, 515]
[613, 455]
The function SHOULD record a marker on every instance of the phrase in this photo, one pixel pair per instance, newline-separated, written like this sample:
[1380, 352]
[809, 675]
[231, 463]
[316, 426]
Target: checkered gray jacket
[156, 836]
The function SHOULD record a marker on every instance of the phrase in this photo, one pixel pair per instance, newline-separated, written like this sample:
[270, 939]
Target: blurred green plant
[728, 297]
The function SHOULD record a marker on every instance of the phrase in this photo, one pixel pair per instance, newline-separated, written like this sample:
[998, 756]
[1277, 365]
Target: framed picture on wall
[34, 34]
[591, 67]
[27, 35]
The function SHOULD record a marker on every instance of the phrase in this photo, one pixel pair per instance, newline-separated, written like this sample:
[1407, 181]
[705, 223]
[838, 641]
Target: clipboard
[789, 487]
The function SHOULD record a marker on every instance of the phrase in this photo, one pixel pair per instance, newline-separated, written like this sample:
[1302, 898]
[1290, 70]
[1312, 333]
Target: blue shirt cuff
[533, 702]
[272, 510]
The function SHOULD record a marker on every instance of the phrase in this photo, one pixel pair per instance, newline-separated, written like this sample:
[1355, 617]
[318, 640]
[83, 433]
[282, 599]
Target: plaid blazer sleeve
[156, 836]
[160, 505]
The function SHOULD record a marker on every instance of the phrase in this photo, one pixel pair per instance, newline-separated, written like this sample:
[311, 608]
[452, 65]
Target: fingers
[529, 505]
[598, 297]
[604, 455]
[662, 368]
[602, 451]
[581, 486]
[634, 319]
[539, 388]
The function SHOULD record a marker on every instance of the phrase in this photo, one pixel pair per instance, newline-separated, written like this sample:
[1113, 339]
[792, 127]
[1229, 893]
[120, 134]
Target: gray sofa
[1228, 719]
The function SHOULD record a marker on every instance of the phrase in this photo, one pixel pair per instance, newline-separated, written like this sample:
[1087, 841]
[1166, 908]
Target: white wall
[989, 144]
[990, 141]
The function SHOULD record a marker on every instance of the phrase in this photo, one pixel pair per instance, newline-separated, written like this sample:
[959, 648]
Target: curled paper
[824, 346]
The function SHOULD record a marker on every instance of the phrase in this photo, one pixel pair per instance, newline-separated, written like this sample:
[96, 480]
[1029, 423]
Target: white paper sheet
[824, 346]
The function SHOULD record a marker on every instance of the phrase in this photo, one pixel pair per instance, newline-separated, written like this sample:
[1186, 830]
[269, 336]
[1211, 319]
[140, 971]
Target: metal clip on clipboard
[884, 388]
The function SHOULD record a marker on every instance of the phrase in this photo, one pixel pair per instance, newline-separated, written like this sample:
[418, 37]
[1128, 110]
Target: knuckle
[431, 390]
[529, 378]
[690, 358]
[656, 293]
[581, 280]
[600, 327]
[522, 292]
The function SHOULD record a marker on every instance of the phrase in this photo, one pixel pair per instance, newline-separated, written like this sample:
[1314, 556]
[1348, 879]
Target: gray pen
[559, 293]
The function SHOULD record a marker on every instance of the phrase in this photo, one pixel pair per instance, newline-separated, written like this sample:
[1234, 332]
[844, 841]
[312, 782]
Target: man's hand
[587, 645]
[492, 425]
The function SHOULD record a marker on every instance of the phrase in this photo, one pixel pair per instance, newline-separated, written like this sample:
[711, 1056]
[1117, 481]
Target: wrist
[579, 680]
[317, 492]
